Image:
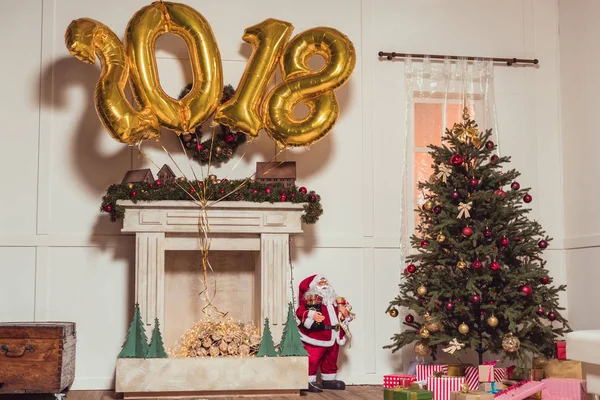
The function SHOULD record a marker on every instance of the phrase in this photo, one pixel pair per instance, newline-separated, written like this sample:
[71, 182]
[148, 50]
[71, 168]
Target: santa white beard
[325, 292]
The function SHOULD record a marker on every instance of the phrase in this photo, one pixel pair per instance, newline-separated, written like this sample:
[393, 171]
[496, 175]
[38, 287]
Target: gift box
[425, 371]
[457, 369]
[471, 395]
[499, 374]
[517, 374]
[536, 374]
[472, 377]
[399, 393]
[563, 369]
[418, 385]
[392, 381]
[444, 385]
[486, 373]
[520, 391]
[571, 389]
[561, 350]
[491, 387]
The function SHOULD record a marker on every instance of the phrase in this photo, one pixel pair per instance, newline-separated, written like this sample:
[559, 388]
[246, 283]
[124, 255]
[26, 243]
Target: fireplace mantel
[234, 225]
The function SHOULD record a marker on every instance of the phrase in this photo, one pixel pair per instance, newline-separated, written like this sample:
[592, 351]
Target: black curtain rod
[508, 61]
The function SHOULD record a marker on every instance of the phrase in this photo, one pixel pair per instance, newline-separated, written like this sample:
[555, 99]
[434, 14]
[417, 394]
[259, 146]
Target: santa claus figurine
[323, 328]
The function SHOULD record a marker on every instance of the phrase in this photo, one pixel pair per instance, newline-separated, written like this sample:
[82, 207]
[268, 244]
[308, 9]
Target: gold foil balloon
[463, 328]
[421, 349]
[492, 321]
[142, 31]
[242, 112]
[85, 39]
[312, 88]
[511, 343]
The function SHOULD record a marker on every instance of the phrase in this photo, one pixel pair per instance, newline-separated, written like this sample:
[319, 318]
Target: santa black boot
[315, 387]
[334, 384]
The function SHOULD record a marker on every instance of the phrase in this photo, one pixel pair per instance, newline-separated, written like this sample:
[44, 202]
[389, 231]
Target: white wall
[65, 261]
[580, 86]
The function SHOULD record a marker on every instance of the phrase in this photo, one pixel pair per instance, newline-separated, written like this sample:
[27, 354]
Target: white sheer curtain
[436, 93]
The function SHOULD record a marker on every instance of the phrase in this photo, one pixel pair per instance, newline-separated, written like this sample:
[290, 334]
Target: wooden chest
[36, 357]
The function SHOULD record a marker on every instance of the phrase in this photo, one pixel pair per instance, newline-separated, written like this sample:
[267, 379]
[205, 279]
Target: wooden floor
[351, 393]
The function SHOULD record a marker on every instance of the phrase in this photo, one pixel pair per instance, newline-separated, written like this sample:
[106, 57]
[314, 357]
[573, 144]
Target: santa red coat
[323, 338]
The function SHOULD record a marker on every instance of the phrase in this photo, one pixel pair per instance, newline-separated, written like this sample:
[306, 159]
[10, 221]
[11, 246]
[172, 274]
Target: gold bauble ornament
[421, 290]
[511, 343]
[434, 326]
[429, 205]
[461, 264]
[427, 317]
[463, 328]
[492, 321]
[422, 349]
[393, 313]
[440, 237]
[218, 149]
[130, 185]
[424, 333]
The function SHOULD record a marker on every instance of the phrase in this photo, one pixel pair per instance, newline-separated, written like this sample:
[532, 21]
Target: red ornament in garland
[192, 190]
[303, 190]
[515, 185]
[449, 306]
[424, 243]
[411, 268]
[255, 191]
[158, 182]
[268, 190]
[199, 147]
[222, 191]
[477, 264]
[409, 319]
[133, 194]
[494, 265]
[108, 207]
[544, 280]
[456, 159]
[473, 182]
[527, 198]
[467, 231]
[552, 316]
[504, 241]
[312, 198]
[283, 197]
[229, 138]
[541, 312]
[489, 144]
[543, 244]
[526, 290]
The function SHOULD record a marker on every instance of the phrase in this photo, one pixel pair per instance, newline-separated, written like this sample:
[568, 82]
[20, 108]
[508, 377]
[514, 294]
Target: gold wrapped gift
[536, 374]
[457, 369]
[417, 385]
[539, 362]
[474, 395]
[536, 396]
[563, 369]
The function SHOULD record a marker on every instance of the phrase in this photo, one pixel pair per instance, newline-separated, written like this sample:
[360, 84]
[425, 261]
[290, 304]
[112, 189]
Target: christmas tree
[291, 345]
[477, 278]
[267, 348]
[136, 343]
[156, 349]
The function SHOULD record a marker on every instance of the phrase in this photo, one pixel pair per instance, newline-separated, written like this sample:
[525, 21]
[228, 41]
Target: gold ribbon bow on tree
[455, 346]
[467, 130]
[444, 172]
[463, 209]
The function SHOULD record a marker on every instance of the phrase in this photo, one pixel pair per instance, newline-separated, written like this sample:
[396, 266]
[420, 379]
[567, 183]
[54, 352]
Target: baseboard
[94, 383]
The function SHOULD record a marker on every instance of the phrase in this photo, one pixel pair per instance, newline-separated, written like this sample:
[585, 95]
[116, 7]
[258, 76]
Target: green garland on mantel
[253, 191]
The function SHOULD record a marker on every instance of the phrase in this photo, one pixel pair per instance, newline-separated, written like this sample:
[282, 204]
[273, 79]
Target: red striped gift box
[499, 374]
[425, 371]
[444, 385]
[472, 377]
[392, 381]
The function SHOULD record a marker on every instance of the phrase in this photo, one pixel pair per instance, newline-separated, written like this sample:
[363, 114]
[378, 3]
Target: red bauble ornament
[229, 139]
[552, 316]
[222, 191]
[133, 193]
[477, 264]
[494, 265]
[224, 180]
[467, 231]
[158, 182]
[302, 190]
[437, 209]
[192, 190]
[312, 198]
[473, 182]
[199, 147]
[500, 192]
[541, 311]
[449, 306]
[409, 319]
[113, 217]
[424, 243]
[489, 144]
[543, 244]
[487, 232]
[456, 159]
[255, 191]
[411, 268]
[268, 190]
[504, 241]
[527, 198]
[283, 197]
[475, 299]
[526, 290]
[515, 185]
[108, 207]
[493, 159]
[455, 195]
[544, 280]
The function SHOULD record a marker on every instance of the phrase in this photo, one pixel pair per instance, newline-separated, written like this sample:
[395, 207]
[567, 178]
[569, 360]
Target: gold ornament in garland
[422, 349]
[421, 290]
[424, 333]
[492, 321]
[463, 328]
[461, 264]
[441, 238]
[429, 205]
[511, 343]
[393, 313]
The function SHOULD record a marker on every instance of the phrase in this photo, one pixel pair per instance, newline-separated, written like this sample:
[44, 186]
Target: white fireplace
[261, 228]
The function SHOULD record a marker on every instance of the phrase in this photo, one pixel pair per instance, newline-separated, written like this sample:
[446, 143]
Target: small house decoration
[276, 172]
[138, 176]
[166, 173]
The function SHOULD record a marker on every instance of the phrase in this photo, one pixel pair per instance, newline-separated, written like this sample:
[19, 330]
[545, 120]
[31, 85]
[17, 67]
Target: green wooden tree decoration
[291, 345]
[136, 343]
[267, 348]
[156, 349]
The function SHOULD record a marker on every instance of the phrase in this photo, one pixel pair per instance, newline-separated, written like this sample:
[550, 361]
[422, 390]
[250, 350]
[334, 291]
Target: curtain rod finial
[380, 54]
